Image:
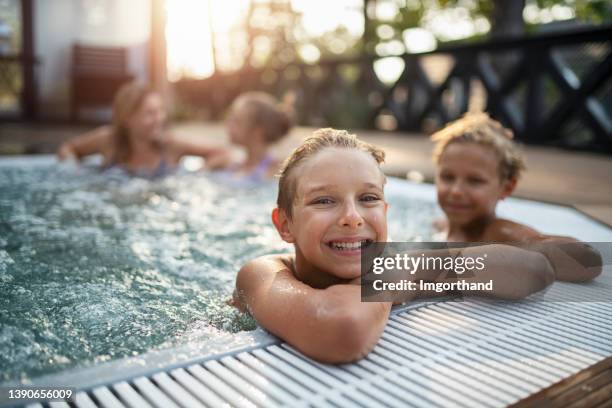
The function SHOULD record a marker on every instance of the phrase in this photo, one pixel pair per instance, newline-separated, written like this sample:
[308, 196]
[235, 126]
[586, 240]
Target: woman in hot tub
[137, 141]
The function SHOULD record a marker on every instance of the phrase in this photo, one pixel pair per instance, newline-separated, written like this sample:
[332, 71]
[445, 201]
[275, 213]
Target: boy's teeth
[348, 245]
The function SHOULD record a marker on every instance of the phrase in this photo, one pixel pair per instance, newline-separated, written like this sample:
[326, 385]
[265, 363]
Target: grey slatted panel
[290, 371]
[153, 394]
[432, 367]
[308, 376]
[259, 381]
[215, 384]
[255, 394]
[574, 360]
[423, 372]
[178, 393]
[129, 396]
[59, 404]
[415, 393]
[82, 400]
[274, 376]
[106, 398]
[380, 374]
[543, 325]
[197, 388]
[569, 366]
[510, 384]
[352, 373]
[482, 355]
[499, 388]
[528, 363]
[479, 347]
[492, 321]
[312, 370]
[336, 371]
[560, 317]
[538, 333]
[316, 370]
[600, 322]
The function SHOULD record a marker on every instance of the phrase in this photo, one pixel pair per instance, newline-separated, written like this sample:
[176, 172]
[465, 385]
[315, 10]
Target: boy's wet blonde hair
[319, 140]
[275, 119]
[478, 127]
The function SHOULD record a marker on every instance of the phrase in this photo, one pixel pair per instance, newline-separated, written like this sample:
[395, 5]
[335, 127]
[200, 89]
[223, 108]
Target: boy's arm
[515, 272]
[331, 325]
[92, 142]
[183, 146]
[572, 260]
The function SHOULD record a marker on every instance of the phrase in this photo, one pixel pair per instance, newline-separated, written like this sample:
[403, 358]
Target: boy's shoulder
[268, 264]
[503, 230]
[258, 274]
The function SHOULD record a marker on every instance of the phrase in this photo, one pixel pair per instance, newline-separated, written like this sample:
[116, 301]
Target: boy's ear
[509, 186]
[281, 222]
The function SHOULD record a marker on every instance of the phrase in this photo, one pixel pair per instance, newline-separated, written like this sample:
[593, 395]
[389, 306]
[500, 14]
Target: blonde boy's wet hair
[320, 139]
[276, 119]
[478, 127]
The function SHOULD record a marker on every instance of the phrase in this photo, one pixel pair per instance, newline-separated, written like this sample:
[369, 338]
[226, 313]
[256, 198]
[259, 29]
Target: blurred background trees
[279, 32]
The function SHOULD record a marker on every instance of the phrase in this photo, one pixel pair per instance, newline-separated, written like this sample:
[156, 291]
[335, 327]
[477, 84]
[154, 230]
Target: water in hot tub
[96, 266]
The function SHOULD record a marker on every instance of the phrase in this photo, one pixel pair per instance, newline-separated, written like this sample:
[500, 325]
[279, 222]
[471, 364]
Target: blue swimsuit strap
[260, 171]
[161, 169]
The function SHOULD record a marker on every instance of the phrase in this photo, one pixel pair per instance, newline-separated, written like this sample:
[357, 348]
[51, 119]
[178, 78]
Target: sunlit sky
[193, 25]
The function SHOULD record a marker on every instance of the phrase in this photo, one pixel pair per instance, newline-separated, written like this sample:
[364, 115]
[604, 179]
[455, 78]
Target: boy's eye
[370, 197]
[475, 180]
[447, 177]
[322, 200]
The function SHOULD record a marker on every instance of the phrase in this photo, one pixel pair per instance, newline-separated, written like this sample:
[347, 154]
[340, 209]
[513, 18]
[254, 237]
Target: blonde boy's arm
[572, 260]
[92, 142]
[331, 325]
[515, 272]
[183, 146]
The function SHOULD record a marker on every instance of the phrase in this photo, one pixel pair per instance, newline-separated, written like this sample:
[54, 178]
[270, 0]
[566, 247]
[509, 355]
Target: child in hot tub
[478, 165]
[331, 203]
[137, 141]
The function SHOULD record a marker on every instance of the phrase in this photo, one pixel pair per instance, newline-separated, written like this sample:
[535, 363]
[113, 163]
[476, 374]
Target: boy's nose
[351, 216]
[456, 189]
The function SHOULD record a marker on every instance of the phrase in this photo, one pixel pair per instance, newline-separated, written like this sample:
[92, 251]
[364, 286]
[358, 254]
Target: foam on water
[95, 266]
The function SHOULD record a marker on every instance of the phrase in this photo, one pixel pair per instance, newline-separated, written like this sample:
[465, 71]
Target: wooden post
[28, 95]
[157, 68]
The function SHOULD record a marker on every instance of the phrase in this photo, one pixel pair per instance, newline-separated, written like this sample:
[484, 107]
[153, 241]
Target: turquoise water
[95, 266]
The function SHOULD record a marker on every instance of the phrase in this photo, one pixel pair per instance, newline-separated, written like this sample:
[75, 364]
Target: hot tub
[97, 267]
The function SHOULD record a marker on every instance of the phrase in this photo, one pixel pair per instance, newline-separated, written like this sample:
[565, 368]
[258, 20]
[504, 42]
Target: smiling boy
[479, 165]
[329, 212]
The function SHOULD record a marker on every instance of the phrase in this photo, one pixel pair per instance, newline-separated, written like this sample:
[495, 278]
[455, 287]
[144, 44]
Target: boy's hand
[516, 272]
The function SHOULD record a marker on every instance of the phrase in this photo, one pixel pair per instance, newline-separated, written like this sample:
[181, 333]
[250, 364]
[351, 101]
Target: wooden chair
[97, 74]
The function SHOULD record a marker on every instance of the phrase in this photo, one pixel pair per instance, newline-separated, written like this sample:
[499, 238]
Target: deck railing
[553, 89]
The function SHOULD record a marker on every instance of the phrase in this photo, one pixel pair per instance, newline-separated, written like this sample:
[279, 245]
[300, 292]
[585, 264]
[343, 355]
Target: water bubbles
[101, 266]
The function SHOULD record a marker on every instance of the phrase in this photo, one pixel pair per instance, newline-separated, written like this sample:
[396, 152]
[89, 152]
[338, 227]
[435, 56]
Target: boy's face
[468, 182]
[339, 206]
[238, 125]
